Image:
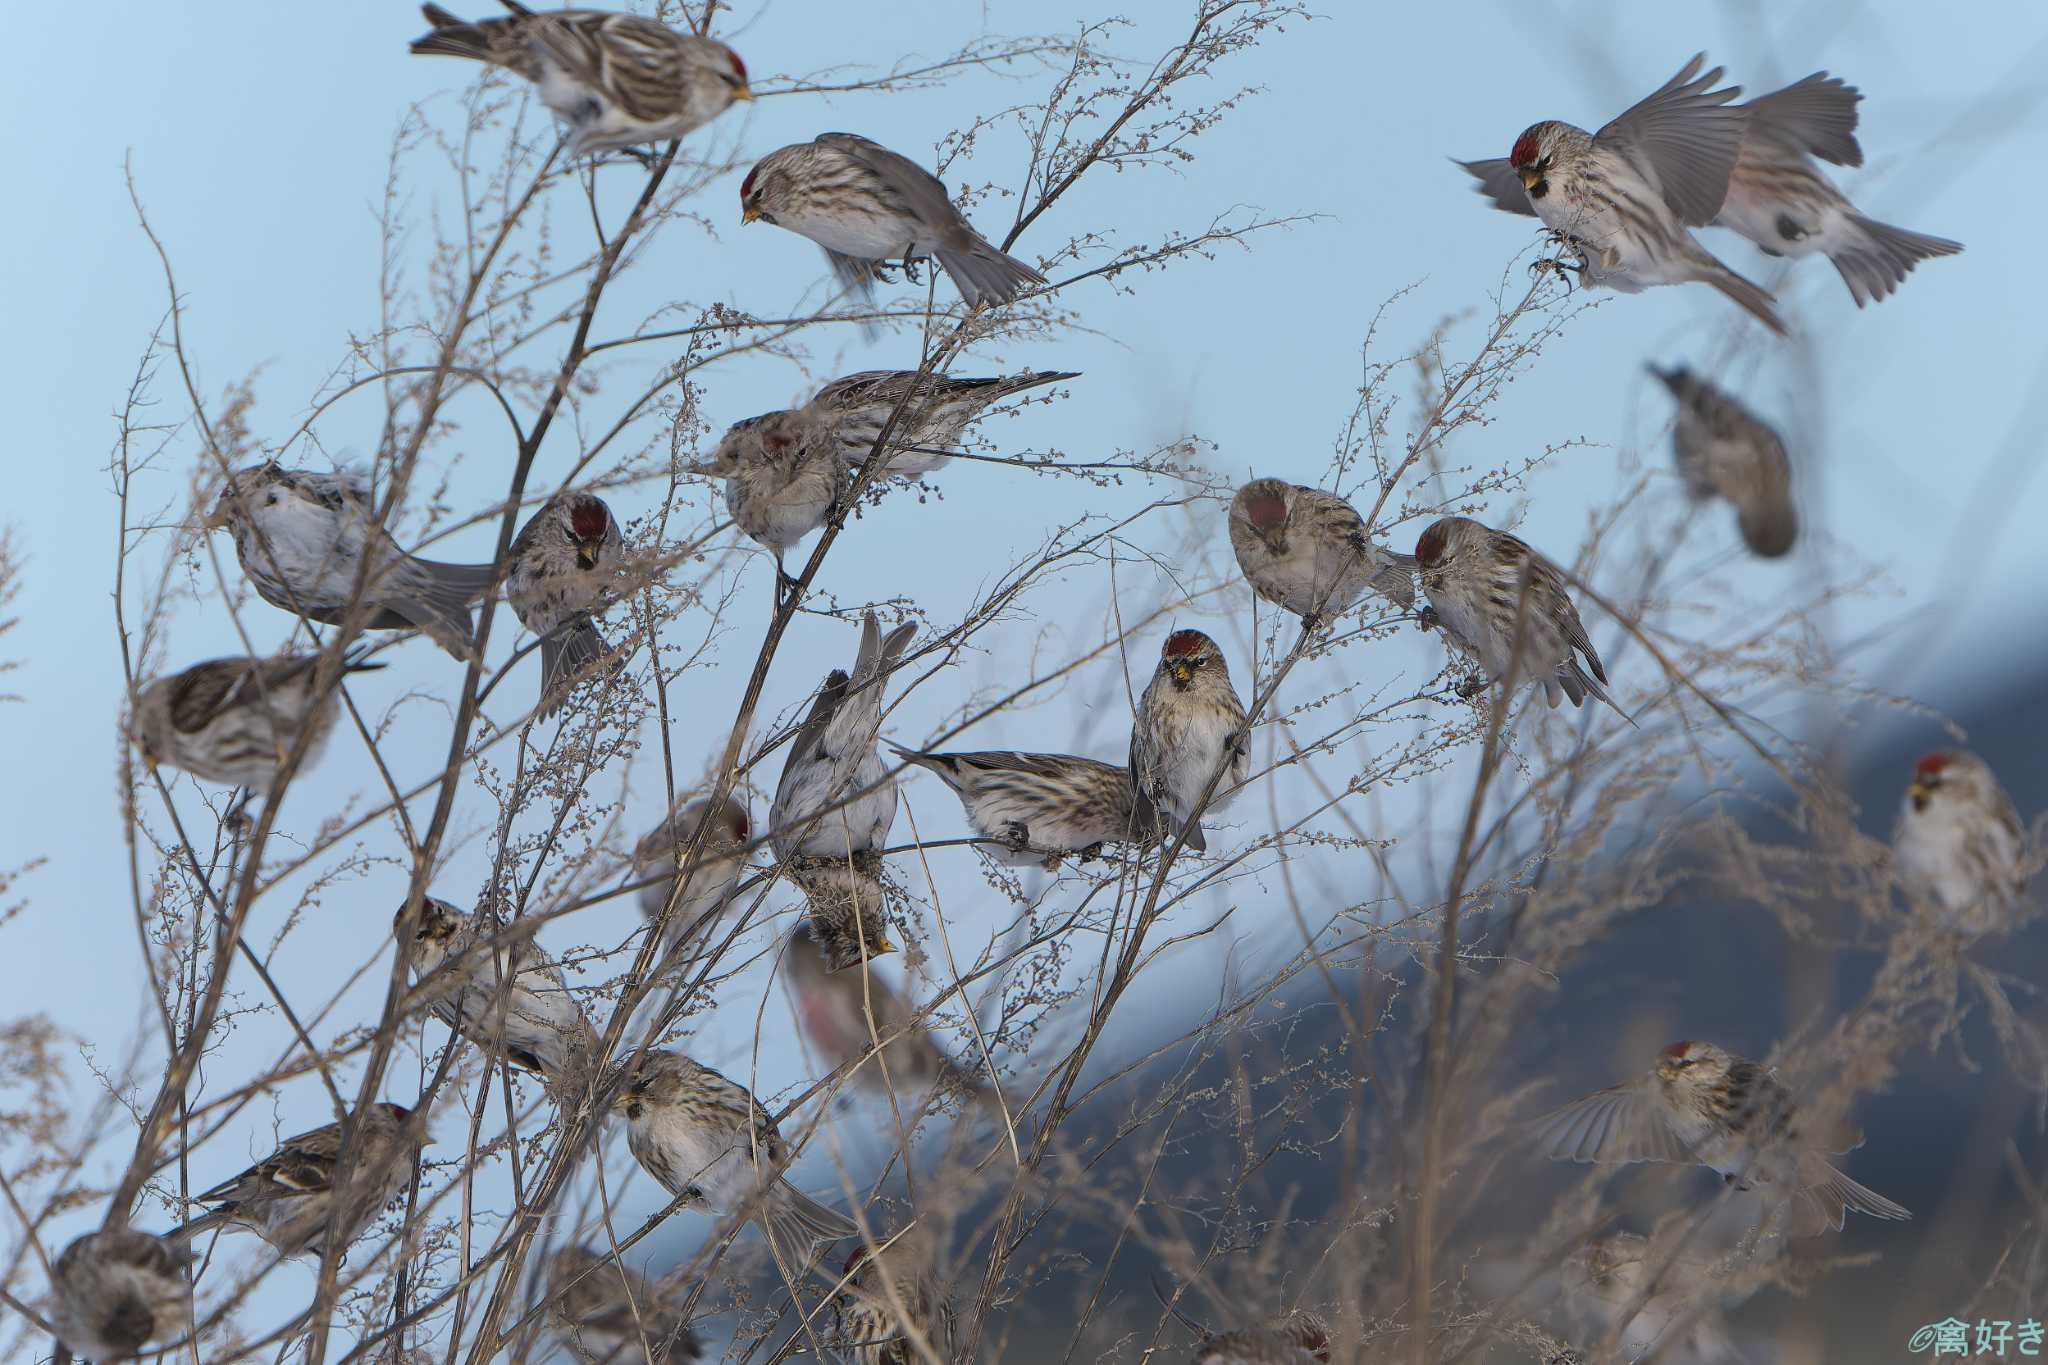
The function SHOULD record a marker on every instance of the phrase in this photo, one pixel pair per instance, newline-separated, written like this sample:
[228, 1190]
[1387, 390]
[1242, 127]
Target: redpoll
[836, 796]
[565, 561]
[935, 411]
[1724, 451]
[843, 1014]
[866, 205]
[692, 903]
[616, 79]
[888, 1299]
[1780, 200]
[236, 720]
[301, 538]
[707, 1140]
[1475, 579]
[287, 1198]
[1704, 1106]
[847, 906]
[490, 984]
[1625, 196]
[783, 478]
[1189, 726]
[603, 1311]
[1959, 843]
[1307, 551]
[1038, 807]
[1298, 1338]
[118, 1290]
[1674, 1315]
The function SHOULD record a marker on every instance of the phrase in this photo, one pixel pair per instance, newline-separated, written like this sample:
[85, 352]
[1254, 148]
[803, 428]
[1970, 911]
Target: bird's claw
[910, 268]
[1468, 688]
[1017, 836]
[1428, 619]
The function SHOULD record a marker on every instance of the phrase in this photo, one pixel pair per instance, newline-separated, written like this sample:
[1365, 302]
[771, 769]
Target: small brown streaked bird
[288, 1197]
[1506, 605]
[706, 1139]
[490, 983]
[932, 414]
[236, 720]
[117, 1290]
[1705, 1106]
[1038, 808]
[1959, 844]
[842, 1014]
[868, 206]
[1725, 451]
[302, 538]
[565, 567]
[889, 1296]
[617, 80]
[694, 904]
[603, 1311]
[1306, 551]
[836, 797]
[1625, 196]
[1189, 725]
[848, 906]
[1779, 199]
[784, 478]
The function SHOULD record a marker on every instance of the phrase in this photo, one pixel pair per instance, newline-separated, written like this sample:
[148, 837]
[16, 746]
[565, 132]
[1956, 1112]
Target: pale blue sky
[259, 134]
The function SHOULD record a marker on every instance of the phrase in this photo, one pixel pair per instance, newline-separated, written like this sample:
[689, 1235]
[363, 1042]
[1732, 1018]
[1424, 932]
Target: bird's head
[1438, 543]
[438, 922]
[1543, 148]
[1265, 506]
[244, 489]
[727, 67]
[1187, 655]
[590, 527]
[1929, 776]
[1692, 1065]
[761, 193]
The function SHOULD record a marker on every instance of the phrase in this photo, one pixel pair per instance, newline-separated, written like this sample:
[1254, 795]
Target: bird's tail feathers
[985, 275]
[452, 37]
[1831, 1196]
[797, 1226]
[566, 654]
[1880, 257]
[205, 1222]
[436, 598]
[1753, 297]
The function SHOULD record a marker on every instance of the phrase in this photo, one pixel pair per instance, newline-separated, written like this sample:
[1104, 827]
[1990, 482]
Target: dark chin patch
[1539, 189]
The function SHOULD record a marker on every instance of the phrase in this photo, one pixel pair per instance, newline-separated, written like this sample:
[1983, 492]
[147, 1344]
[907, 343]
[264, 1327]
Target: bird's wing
[1816, 115]
[202, 692]
[1622, 1123]
[1498, 182]
[921, 193]
[1686, 137]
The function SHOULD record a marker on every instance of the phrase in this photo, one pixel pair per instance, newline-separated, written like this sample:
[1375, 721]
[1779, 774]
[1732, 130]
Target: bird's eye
[1544, 164]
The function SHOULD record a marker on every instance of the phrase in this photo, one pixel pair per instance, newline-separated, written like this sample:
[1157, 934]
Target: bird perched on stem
[889, 1297]
[1725, 451]
[843, 1014]
[1778, 198]
[302, 539]
[708, 1141]
[1625, 196]
[783, 478]
[867, 206]
[932, 413]
[1704, 1106]
[117, 1290]
[693, 903]
[565, 563]
[617, 80]
[1038, 808]
[848, 906]
[490, 984]
[1307, 552]
[1189, 727]
[1507, 606]
[1959, 844]
[235, 720]
[287, 1198]
[603, 1311]
[835, 797]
